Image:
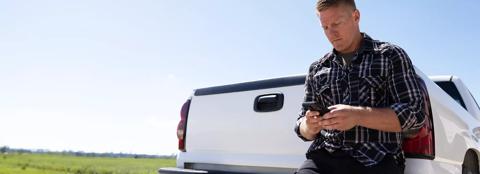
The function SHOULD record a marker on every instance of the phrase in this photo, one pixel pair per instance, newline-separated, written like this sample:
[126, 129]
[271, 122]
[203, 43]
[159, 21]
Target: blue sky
[111, 76]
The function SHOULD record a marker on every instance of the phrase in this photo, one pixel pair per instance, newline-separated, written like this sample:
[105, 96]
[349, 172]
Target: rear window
[474, 100]
[452, 90]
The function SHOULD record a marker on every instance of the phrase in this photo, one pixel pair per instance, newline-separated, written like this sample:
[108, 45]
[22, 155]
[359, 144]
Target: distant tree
[4, 149]
[22, 151]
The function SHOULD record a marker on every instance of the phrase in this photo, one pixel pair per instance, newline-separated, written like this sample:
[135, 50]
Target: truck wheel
[470, 163]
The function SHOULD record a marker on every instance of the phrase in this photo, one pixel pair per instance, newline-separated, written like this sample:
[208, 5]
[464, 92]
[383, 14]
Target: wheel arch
[471, 161]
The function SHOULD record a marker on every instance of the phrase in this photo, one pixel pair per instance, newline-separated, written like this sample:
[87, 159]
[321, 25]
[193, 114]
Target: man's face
[340, 24]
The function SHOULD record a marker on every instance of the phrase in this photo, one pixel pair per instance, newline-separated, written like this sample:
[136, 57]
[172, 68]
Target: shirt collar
[366, 46]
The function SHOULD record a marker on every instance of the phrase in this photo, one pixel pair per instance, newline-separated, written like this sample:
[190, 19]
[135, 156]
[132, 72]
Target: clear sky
[111, 76]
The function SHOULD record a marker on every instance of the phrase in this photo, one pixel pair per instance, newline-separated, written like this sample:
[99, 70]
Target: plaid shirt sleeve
[308, 97]
[405, 91]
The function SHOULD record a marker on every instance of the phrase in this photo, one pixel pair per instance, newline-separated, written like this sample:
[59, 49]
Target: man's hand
[341, 117]
[345, 117]
[310, 126]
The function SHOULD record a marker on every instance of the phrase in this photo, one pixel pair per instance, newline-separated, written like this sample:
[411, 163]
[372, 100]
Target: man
[371, 90]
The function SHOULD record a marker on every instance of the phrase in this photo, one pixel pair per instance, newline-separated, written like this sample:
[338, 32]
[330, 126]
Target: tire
[470, 163]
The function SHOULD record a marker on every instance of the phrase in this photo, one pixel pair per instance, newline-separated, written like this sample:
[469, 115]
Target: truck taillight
[182, 126]
[422, 145]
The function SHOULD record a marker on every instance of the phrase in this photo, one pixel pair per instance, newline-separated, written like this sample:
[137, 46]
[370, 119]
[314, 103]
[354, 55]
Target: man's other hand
[341, 117]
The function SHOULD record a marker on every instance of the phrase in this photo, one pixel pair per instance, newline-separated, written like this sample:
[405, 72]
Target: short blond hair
[324, 4]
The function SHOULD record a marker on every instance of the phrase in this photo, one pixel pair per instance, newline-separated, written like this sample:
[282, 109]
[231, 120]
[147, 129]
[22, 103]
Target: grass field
[63, 164]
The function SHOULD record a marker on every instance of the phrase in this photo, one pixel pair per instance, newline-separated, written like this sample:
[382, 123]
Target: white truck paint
[225, 135]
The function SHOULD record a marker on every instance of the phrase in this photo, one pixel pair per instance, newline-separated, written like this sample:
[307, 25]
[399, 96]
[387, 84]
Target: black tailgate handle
[268, 102]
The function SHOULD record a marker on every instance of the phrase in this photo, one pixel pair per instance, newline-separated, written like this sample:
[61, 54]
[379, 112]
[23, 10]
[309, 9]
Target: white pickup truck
[248, 128]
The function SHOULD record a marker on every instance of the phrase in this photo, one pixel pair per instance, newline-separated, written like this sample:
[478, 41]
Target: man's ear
[356, 16]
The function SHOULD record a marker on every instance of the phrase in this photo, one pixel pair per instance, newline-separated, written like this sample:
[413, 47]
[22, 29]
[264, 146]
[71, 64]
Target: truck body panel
[226, 132]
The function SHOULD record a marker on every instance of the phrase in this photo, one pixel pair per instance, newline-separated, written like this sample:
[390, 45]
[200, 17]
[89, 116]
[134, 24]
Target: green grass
[67, 164]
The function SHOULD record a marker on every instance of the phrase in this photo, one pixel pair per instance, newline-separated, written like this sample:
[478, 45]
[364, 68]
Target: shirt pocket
[322, 86]
[372, 91]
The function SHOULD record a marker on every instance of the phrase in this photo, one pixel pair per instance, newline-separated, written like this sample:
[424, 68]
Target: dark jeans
[322, 162]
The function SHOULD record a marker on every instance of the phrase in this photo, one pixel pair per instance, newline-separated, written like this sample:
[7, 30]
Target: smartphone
[314, 106]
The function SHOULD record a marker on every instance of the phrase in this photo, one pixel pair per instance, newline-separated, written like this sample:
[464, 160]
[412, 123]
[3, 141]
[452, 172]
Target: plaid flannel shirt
[380, 75]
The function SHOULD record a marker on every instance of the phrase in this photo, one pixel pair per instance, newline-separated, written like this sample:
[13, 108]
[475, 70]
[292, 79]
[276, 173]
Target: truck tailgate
[227, 128]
